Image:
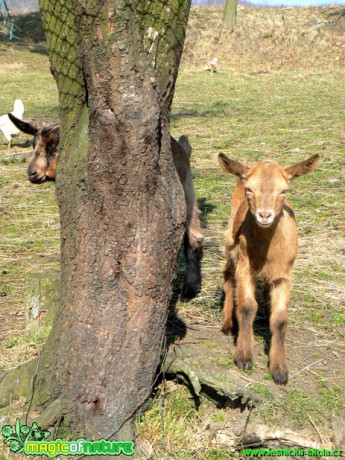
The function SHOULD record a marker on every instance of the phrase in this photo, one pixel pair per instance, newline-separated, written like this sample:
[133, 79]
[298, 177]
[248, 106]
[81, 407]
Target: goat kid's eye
[248, 190]
[284, 192]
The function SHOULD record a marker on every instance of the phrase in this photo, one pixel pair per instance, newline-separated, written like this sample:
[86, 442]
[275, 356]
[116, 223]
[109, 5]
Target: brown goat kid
[43, 167]
[261, 243]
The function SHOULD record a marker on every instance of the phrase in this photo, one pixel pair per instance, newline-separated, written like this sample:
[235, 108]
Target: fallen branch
[316, 429]
[263, 436]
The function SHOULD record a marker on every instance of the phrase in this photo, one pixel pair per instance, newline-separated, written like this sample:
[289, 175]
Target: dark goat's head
[43, 164]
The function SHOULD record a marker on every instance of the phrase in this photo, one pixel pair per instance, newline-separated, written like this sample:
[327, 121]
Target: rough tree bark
[121, 207]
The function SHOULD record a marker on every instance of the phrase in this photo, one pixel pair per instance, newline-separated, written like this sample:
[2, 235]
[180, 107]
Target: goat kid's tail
[184, 141]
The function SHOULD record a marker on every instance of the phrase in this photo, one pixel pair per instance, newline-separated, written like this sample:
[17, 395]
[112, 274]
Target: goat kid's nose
[265, 218]
[265, 214]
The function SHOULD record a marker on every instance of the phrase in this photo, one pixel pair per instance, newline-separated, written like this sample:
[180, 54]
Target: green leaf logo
[17, 436]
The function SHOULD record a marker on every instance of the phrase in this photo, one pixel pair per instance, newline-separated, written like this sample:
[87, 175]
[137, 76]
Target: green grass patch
[224, 362]
[263, 391]
[297, 406]
[333, 399]
[218, 417]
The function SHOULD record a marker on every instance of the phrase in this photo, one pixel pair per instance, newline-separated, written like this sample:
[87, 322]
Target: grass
[176, 425]
[285, 117]
[173, 425]
[24, 74]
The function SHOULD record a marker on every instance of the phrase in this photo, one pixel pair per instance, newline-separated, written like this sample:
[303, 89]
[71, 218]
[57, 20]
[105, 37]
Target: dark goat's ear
[232, 166]
[27, 128]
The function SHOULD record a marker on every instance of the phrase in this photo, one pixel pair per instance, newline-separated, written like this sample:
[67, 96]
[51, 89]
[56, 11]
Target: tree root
[230, 394]
[17, 383]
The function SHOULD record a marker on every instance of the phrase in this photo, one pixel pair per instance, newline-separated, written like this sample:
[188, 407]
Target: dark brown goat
[261, 242]
[43, 166]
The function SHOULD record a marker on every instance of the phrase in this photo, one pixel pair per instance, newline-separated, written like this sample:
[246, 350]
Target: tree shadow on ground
[22, 144]
[40, 49]
[205, 209]
[218, 108]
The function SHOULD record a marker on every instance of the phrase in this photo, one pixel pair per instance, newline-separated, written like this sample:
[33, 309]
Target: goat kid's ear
[305, 167]
[232, 166]
[27, 128]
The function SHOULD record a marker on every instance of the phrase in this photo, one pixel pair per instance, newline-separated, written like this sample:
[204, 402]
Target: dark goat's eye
[50, 147]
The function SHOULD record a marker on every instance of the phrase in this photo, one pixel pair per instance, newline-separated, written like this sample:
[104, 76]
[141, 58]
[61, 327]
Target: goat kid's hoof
[280, 374]
[227, 326]
[243, 362]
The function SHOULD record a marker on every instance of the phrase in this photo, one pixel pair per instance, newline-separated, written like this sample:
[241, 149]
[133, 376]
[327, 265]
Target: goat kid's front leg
[246, 308]
[280, 295]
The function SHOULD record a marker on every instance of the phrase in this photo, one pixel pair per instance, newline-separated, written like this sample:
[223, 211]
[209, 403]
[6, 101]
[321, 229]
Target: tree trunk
[121, 207]
[230, 13]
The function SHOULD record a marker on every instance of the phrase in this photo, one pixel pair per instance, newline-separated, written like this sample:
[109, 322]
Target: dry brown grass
[266, 40]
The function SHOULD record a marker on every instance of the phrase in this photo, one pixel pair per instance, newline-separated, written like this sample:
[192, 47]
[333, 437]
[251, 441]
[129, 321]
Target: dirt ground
[311, 358]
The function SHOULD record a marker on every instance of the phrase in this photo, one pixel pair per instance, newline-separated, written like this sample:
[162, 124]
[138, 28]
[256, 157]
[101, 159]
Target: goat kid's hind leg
[246, 308]
[193, 251]
[280, 295]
